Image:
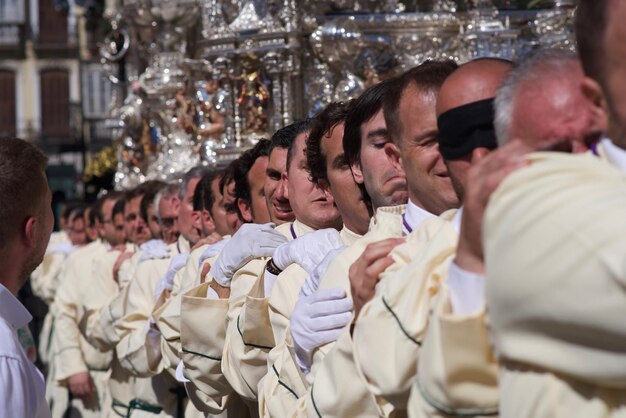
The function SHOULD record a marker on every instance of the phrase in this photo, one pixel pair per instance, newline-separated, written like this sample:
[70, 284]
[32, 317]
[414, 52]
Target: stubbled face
[276, 191]
[137, 231]
[428, 180]
[385, 183]
[341, 184]
[168, 218]
[311, 205]
[218, 212]
[185, 213]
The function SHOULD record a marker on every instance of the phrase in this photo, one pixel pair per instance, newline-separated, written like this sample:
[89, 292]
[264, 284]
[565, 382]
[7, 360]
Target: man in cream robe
[573, 348]
[458, 310]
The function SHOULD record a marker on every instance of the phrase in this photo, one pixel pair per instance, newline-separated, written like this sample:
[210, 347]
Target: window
[97, 91]
[7, 103]
[55, 104]
[52, 23]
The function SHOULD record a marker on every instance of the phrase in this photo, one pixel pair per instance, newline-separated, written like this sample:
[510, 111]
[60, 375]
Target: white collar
[456, 221]
[614, 154]
[414, 216]
[12, 310]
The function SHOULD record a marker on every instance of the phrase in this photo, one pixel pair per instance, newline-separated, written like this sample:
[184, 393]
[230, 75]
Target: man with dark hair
[26, 222]
[76, 222]
[148, 212]
[117, 218]
[250, 181]
[328, 167]
[203, 219]
[214, 202]
[407, 139]
[364, 140]
[166, 206]
[275, 189]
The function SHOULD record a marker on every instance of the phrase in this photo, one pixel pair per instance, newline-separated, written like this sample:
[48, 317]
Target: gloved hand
[308, 250]
[312, 281]
[213, 250]
[250, 241]
[65, 248]
[167, 282]
[316, 320]
[155, 248]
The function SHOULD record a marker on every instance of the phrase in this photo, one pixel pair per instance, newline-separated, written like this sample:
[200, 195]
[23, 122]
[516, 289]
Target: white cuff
[153, 346]
[211, 294]
[180, 373]
[268, 283]
[467, 290]
[304, 359]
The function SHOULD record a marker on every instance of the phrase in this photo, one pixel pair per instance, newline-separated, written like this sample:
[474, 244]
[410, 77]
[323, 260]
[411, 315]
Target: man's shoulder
[9, 344]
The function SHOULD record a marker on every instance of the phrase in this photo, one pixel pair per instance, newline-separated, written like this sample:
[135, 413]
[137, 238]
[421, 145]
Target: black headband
[465, 128]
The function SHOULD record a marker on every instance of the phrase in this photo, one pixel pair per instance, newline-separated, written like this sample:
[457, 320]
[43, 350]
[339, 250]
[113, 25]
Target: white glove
[251, 241]
[312, 281]
[308, 250]
[65, 248]
[155, 248]
[213, 250]
[316, 320]
[167, 282]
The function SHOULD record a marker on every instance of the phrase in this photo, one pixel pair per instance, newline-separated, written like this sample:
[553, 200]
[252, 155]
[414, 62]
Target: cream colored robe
[554, 237]
[73, 354]
[286, 392]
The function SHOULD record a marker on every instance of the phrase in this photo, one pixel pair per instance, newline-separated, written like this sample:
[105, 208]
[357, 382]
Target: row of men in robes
[447, 244]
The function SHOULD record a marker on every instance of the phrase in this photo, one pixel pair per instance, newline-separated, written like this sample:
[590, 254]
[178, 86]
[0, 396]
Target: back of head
[362, 109]
[548, 75]
[22, 186]
[321, 126]
[590, 25]
[427, 77]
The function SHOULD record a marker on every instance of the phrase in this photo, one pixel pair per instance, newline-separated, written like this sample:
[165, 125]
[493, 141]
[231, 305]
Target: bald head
[477, 80]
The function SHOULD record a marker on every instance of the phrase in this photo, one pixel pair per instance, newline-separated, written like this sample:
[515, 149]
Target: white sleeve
[18, 397]
[467, 290]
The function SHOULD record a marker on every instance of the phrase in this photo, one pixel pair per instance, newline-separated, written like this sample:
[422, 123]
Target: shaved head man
[468, 92]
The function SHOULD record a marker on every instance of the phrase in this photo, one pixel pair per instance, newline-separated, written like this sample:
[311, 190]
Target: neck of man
[12, 277]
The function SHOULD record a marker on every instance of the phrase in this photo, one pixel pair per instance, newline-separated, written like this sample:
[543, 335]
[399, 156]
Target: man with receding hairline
[26, 223]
